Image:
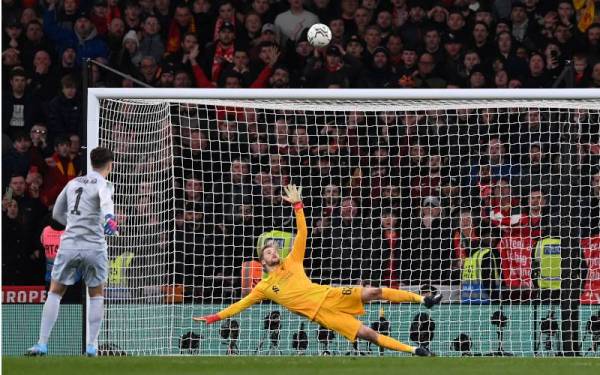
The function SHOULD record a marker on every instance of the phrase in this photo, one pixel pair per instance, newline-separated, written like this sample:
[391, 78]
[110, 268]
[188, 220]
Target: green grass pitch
[298, 365]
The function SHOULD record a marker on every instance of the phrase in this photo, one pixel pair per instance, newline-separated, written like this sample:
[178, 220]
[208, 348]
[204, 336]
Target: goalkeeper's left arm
[239, 306]
[294, 196]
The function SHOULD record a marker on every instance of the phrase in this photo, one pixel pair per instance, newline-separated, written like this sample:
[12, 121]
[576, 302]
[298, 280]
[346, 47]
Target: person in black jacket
[426, 250]
[380, 267]
[18, 107]
[18, 266]
[381, 73]
[345, 244]
[336, 68]
[64, 112]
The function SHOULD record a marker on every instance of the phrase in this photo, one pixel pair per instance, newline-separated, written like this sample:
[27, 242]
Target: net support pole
[570, 234]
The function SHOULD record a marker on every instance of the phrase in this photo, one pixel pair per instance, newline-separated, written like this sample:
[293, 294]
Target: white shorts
[71, 265]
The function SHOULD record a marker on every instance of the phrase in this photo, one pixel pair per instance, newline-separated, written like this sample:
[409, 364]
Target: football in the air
[319, 35]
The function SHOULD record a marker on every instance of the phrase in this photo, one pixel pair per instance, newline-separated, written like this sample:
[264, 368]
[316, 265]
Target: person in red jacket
[504, 211]
[60, 169]
[260, 82]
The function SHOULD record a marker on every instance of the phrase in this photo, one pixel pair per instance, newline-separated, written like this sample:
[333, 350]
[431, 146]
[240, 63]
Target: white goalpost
[485, 196]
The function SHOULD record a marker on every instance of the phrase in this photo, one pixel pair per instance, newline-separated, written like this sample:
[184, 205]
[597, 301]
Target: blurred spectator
[83, 36]
[347, 249]
[13, 34]
[10, 60]
[151, 43]
[129, 57]
[429, 183]
[31, 209]
[182, 24]
[381, 267]
[40, 145]
[132, 16]
[426, 255]
[426, 78]
[50, 241]
[239, 234]
[114, 37]
[465, 237]
[293, 21]
[64, 111]
[535, 170]
[75, 148]
[34, 41]
[67, 63]
[18, 159]
[60, 169]
[499, 161]
[536, 217]
[382, 74]
[484, 285]
[45, 81]
[166, 75]
[19, 107]
[100, 16]
[537, 72]
[220, 52]
[17, 251]
[148, 68]
[280, 79]
[504, 210]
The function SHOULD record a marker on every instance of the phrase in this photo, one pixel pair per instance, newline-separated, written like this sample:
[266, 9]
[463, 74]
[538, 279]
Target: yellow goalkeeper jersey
[288, 285]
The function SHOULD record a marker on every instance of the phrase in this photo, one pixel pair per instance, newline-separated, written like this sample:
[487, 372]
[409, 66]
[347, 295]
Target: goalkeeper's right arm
[294, 196]
[239, 306]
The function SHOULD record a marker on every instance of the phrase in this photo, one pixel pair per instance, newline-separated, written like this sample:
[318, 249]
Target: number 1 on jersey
[75, 210]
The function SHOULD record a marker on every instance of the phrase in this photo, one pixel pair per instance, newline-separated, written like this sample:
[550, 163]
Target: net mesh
[465, 198]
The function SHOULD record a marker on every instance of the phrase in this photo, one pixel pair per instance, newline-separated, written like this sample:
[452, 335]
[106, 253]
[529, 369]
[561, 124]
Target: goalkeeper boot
[38, 350]
[91, 351]
[432, 300]
[423, 352]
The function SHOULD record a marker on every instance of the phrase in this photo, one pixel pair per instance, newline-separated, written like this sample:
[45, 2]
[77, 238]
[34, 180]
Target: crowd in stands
[392, 198]
[404, 179]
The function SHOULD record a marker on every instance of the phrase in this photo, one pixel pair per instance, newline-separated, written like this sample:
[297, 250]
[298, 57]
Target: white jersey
[82, 206]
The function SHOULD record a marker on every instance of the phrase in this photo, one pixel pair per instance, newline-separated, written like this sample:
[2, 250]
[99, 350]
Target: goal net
[492, 203]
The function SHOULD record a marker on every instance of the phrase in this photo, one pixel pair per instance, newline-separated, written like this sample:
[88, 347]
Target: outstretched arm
[239, 306]
[294, 196]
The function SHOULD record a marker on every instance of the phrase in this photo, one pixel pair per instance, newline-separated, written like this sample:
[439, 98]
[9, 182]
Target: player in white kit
[85, 206]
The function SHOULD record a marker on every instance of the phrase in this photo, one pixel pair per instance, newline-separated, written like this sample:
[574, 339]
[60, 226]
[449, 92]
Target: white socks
[95, 315]
[49, 315]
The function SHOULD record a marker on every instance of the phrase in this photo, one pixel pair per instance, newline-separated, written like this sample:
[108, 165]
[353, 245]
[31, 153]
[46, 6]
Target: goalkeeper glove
[110, 225]
[293, 194]
[208, 319]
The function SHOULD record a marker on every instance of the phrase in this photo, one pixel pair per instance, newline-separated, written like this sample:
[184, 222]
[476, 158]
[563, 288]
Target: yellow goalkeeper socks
[398, 296]
[392, 344]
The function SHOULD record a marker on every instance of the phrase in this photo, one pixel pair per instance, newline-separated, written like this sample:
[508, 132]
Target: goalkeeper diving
[335, 308]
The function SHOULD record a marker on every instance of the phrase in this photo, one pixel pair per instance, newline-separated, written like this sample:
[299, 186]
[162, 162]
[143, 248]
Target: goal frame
[94, 95]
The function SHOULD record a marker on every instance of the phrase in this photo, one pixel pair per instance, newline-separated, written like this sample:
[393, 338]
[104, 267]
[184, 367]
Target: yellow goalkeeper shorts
[339, 309]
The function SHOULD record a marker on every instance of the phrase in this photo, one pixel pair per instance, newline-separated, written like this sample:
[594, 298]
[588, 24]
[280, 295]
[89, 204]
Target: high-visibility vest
[118, 267]
[282, 239]
[50, 239]
[472, 290]
[251, 275]
[547, 253]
